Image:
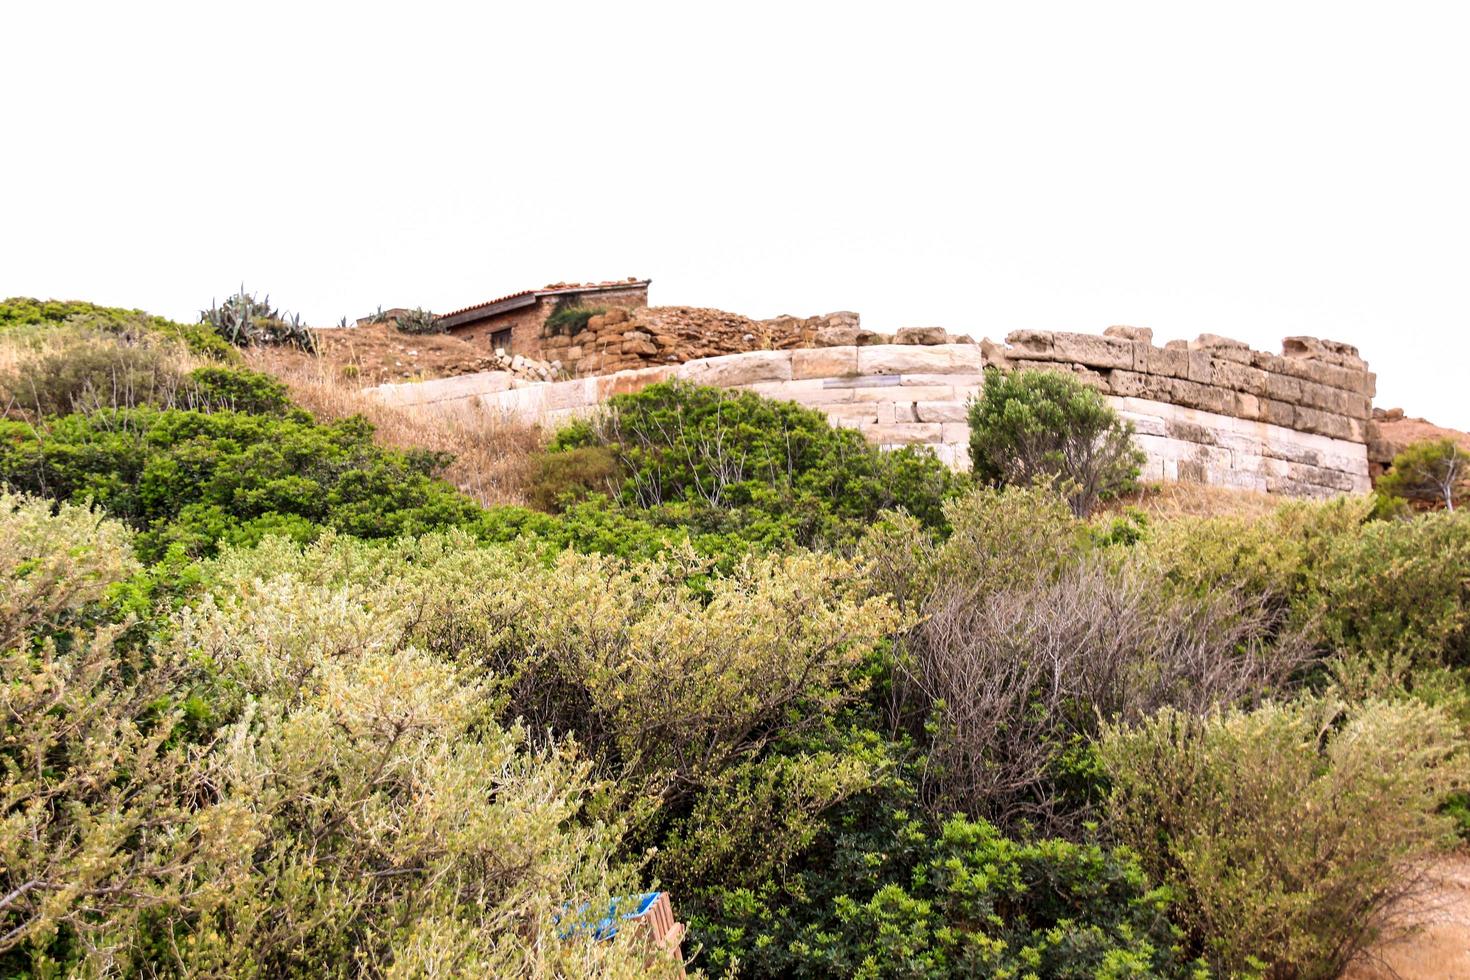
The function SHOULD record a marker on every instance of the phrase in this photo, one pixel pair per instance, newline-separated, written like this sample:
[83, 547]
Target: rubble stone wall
[1210, 411]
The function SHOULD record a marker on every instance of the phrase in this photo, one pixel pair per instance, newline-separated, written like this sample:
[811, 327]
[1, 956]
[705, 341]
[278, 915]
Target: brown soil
[1437, 947]
[378, 354]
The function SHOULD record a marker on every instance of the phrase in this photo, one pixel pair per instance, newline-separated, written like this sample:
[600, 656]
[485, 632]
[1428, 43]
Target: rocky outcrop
[1390, 432]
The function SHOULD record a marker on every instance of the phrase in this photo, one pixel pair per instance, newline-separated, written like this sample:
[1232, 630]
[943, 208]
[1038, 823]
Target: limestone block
[1092, 351]
[927, 336]
[1142, 335]
[1278, 413]
[956, 433]
[1206, 397]
[904, 412]
[867, 381]
[865, 412]
[1031, 344]
[1201, 367]
[957, 380]
[790, 391]
[903, 434]
[941, 411]
[1127, 384]
[1167, 361]
[1324, 423]
[939, 359]
[1283, 388]
[1240, 377]
[1187, 431]
[1148, 425]
[1247, 406]
[563, 395]
[627, 382]
[816, 397]
[932, 393]
[869, 338]
[824, 362]
[886, 413]
[838, 335]
[729, 370]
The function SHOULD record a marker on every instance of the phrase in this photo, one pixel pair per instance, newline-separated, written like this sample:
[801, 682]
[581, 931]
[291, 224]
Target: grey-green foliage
[418, 321]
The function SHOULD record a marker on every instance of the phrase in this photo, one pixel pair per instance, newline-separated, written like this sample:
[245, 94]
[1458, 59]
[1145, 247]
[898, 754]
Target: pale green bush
[280, 784]
[1285, 831]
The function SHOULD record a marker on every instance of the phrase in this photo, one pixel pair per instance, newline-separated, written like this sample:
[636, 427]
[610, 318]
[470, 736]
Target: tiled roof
[528, 295]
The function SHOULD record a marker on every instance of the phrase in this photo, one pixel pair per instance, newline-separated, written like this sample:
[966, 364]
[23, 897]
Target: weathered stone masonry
[1209, 411]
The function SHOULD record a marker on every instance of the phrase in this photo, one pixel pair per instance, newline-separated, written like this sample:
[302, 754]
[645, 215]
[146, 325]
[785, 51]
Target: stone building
[517, 323]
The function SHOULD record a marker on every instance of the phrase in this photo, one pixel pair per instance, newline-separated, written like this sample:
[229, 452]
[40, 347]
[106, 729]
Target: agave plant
[418, 321]
[246, 321]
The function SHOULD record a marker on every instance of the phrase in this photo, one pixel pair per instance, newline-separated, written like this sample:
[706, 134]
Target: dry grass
[494, 458]
[1438, 943]
[1168, 500]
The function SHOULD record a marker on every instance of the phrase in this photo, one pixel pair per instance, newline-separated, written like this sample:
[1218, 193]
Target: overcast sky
[1253, 170]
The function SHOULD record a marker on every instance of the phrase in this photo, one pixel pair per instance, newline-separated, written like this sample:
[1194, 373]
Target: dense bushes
[276, 785]
[198, 478]
[339, 719]
[1044, 425]
[1286, 831]
[19, 313]
[901, 898]
[770, 472]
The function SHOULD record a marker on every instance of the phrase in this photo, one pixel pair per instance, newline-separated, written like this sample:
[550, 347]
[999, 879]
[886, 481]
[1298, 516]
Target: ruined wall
[628, 339]
[1211, 411]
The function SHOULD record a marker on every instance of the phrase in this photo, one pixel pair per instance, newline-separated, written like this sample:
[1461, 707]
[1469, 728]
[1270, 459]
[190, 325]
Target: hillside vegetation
[292, 689]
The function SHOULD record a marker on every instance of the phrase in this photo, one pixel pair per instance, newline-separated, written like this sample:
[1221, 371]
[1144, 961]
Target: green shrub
[885, 894]
[573, 475]
[19, 312]
[1286, 831]
[770, 472]
[238, 390]
[571, 320]
[1398, 592]
[1434, 472]
[1044, 425]
[196, 479]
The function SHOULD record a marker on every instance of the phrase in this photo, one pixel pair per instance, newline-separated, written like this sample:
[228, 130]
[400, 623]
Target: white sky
[1250, 169]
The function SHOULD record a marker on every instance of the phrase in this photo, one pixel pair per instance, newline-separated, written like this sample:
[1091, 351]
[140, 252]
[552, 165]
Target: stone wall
[628, 339]
[1211, 411]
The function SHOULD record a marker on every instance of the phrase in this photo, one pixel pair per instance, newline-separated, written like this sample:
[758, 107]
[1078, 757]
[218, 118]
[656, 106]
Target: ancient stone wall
[1210, 411]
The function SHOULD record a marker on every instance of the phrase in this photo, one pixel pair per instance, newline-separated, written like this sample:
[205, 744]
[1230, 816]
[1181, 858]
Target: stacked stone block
[1211, 411]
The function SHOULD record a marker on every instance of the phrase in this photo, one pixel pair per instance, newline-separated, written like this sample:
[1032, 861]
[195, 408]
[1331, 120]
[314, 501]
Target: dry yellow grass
[493, 457]
[1168, 500]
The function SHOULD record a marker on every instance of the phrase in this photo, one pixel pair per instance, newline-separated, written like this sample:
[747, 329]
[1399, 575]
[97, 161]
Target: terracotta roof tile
[551, 290]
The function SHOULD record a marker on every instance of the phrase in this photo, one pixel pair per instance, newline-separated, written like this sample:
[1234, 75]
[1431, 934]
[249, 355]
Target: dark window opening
[500, 339]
